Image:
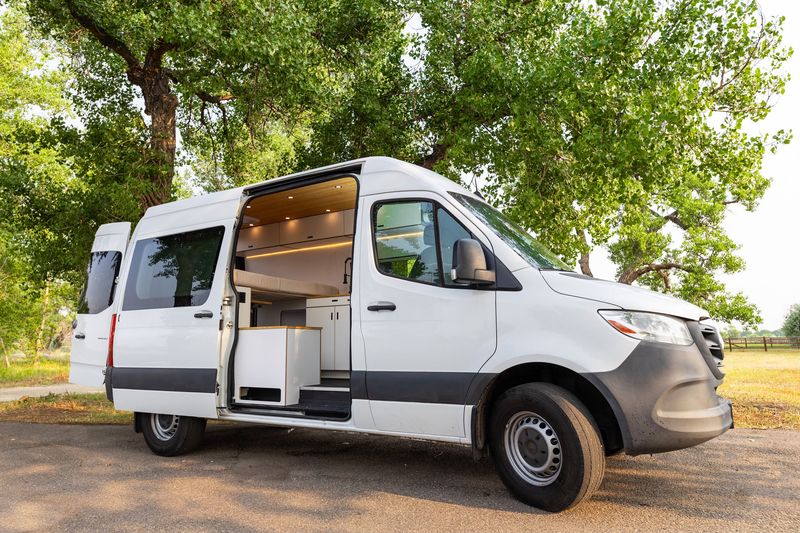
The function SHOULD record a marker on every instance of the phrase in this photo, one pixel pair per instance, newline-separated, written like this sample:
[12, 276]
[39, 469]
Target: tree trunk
[5, 352]
[584, 264]
[583, 261]
[161, 105]
[40, 333]
[159, 102]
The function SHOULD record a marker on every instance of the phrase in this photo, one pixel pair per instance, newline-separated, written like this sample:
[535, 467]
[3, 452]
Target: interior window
[174, 270]
[405, 241]
[101, 273]
[450, 230]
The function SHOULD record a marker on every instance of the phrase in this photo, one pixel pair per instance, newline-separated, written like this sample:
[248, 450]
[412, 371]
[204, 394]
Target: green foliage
[616, 124]
[791, 324]
[594, 124]
[25, 372]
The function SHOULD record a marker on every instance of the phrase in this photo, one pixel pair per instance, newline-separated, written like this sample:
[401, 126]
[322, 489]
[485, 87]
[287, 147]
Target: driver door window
[414, 240]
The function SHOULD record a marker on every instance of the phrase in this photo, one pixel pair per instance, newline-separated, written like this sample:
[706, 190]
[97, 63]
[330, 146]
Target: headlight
[649, 326]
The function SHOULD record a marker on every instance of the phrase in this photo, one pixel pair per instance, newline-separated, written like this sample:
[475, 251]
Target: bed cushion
[275, 285]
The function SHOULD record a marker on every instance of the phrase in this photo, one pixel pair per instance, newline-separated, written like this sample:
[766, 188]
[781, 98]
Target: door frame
[226, 382]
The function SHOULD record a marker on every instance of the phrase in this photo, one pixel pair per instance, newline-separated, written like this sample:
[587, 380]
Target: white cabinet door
[341, 315]
[312, 228]
[257, 237]
[323, 317]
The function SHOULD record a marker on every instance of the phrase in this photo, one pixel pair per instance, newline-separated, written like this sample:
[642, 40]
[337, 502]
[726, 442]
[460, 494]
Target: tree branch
[103, 36]
[211, 99]
[156, 54]
[438, 152]
[671, 217]
[630, 275]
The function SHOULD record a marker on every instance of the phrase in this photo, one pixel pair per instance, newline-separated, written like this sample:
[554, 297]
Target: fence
[762, 343]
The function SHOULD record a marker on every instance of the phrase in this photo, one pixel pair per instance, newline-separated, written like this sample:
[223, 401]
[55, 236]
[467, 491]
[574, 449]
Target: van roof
[378, 174]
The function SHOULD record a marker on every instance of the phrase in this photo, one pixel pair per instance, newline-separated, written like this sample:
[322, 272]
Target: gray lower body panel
[664, 397]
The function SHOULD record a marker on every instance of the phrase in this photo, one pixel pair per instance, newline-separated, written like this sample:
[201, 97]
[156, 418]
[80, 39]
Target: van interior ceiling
[293, 278]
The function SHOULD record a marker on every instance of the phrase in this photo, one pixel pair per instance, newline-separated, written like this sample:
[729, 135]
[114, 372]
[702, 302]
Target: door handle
[382, 306]
[80, 336]
[204, 314]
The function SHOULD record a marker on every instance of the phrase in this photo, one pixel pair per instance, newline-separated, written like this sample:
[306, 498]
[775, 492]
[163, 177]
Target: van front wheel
[546, 446]
[169, 435]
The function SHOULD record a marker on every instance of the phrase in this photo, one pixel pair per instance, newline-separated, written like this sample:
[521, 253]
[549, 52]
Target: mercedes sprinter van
[377, 296]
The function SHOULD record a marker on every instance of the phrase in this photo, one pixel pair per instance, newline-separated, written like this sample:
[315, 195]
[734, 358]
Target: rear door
[96, 305]
[169, 322]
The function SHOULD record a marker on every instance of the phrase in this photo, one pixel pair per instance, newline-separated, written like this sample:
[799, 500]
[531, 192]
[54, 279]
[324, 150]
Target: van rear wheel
[170, 435]
[546, 446]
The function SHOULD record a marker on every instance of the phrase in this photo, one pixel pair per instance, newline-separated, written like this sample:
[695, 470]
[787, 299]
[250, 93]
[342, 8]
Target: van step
[323, 408]
[320, 393]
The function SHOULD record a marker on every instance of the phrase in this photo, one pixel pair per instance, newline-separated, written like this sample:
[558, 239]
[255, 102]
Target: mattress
[274, 285]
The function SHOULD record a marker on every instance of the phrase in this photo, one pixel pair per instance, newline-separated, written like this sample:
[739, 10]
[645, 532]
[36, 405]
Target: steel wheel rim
[164, 426]
[533, 448]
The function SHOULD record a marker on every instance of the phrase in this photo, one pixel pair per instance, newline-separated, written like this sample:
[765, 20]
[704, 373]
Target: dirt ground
[81, 478]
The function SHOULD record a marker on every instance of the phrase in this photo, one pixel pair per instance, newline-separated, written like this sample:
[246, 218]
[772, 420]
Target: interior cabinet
[272, 363]
[333, 316]
[258, 237]
[312, 228]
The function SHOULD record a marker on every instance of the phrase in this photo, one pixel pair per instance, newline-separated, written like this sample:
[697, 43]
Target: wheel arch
[600, 403]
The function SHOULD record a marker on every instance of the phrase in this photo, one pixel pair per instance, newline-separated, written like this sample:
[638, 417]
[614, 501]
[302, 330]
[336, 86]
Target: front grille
[713, 340]
[709, 343]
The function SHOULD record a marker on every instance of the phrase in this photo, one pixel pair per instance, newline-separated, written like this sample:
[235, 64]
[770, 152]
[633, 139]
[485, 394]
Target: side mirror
[469, 264]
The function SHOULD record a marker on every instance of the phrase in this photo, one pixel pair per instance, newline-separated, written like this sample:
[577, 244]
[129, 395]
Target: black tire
[170, 435]
[541, 426]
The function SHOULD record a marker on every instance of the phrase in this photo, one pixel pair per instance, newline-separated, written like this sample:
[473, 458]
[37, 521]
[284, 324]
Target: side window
[450, 230]
[405, 241]
[101, 275]
[414, 240]
[174, 270]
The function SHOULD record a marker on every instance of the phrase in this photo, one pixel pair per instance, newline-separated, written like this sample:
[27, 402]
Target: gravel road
[254, 478]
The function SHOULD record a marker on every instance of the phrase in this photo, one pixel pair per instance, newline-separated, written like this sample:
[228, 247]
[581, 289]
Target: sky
[769, 236]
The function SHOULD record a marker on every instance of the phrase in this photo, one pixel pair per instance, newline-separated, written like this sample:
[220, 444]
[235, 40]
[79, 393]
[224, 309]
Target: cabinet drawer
[328, 302]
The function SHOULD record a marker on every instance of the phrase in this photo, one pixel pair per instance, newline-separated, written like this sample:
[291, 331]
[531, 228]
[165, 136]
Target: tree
[616, 124]
[791, 324]
[275, 59]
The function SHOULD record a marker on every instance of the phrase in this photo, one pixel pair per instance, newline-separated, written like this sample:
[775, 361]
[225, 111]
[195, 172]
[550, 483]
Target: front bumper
[664, 398]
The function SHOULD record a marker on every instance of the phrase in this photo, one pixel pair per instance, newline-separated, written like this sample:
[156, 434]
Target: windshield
[518, 239]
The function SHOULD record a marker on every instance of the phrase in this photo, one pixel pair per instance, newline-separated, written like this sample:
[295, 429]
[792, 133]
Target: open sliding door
[170, 321]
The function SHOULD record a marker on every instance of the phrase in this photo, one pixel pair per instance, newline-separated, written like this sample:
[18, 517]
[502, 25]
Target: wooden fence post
[765, 343]
[730, 345]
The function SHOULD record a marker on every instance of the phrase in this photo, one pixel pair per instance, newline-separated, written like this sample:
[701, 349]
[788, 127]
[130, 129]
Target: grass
[764, 388]
[24, 372]
[64, 409]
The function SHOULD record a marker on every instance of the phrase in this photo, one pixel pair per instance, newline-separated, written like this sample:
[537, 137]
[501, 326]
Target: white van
[377, 296]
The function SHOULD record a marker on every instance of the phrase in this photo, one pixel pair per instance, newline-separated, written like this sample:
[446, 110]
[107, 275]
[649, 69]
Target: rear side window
[101, 275]
[174, 270]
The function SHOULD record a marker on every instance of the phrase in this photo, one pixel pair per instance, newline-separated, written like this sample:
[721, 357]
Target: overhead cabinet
[333, 316]
[312, 228]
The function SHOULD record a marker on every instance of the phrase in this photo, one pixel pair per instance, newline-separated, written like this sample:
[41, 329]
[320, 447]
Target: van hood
[620, 295]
